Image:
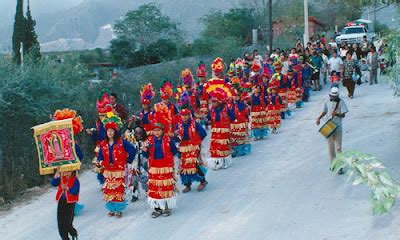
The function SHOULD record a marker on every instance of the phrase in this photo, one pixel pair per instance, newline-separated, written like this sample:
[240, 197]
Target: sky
[38, 7]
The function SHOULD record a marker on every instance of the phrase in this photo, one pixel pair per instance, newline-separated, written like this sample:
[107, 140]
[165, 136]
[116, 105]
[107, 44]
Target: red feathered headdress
[147, 93]
[255, 67]
[278, 65]
[166, 90]
[274, 82]
[161, 116]
[103, 105]
[67, 113]
[202, 71]
[218, 65]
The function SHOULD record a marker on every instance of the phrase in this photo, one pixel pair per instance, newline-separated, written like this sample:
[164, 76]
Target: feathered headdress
[218, 90]
[239, 65]
[274, 82]
[184, 104]
[161, 116]
[255, 67]
[266, 72]
[178, 92]
[112, 121]
[187, 78]
[232, 69]
[103, 104]
[67, 113]
[166, 90]
[202, 71]
[235, 82]
[278, 65]
[147, 93]
[218, 65]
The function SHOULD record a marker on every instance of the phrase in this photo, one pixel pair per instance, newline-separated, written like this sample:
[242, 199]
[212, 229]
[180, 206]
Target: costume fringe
[238, 126]
[164, 170]
[113, 197]
[114, 174]
[165, 183]
[189, 171]
[220, 130]
[190, 148]
[113, 185]
[189, 160]
[221, 141]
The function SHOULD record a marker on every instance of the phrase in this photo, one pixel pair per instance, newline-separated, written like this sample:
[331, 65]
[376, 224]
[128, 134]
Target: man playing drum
[335, 109]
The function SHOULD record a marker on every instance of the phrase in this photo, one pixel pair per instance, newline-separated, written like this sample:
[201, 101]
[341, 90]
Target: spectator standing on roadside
[335, 63]
[364, 47]
[373, 63]
[317, 62]
[349, 67]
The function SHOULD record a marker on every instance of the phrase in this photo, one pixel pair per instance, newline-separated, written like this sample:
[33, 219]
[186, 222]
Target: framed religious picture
[56, 146]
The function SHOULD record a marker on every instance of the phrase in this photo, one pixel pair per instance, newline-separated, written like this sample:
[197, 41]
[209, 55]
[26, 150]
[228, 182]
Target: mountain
[85, 21]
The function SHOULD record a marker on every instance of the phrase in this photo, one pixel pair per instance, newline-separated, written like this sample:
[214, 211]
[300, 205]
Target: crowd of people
[240, 101]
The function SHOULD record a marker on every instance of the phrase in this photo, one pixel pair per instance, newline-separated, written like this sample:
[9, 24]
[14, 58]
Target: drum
[328, 128]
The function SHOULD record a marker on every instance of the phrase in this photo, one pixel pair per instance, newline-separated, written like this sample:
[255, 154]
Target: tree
[145, 26]
[32, 45]
[19, 31]
[237, 23]
[144, 36]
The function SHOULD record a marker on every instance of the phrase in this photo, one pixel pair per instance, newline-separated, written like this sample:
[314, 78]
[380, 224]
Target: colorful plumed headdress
[278, 65]
[218, 65]
[201, 70]
[184, 104]
[266, 72]
[103, 104]
[67, 113]
[255, 67]
[166, 90]
[147, 93]
[239, 65]
[161, 115]
[218, 90]
[274, 82]
[112, 121]
[178, 92]
[232, 70]
[235, 82]
[187, 78]
[220, 94]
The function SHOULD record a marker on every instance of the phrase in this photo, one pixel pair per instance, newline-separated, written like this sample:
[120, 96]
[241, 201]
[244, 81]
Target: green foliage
[24, 32]
[393, 56]
[28, 96]
[32, 45]
[367, 169]
[19, 31]
[144, 36]
[237, 23]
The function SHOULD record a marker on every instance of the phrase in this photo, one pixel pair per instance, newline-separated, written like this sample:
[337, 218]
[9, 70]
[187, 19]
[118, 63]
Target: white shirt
[258, 60]
[334, 64]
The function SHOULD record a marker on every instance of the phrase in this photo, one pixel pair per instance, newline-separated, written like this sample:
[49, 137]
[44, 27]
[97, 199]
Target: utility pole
[306, 33]
[270, 25]
[375, 4]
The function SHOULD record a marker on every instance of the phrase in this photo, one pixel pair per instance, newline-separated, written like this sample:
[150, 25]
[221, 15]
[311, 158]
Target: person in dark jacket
[117, 108]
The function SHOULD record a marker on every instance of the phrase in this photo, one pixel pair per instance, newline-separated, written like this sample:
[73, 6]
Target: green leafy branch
[366, 169]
